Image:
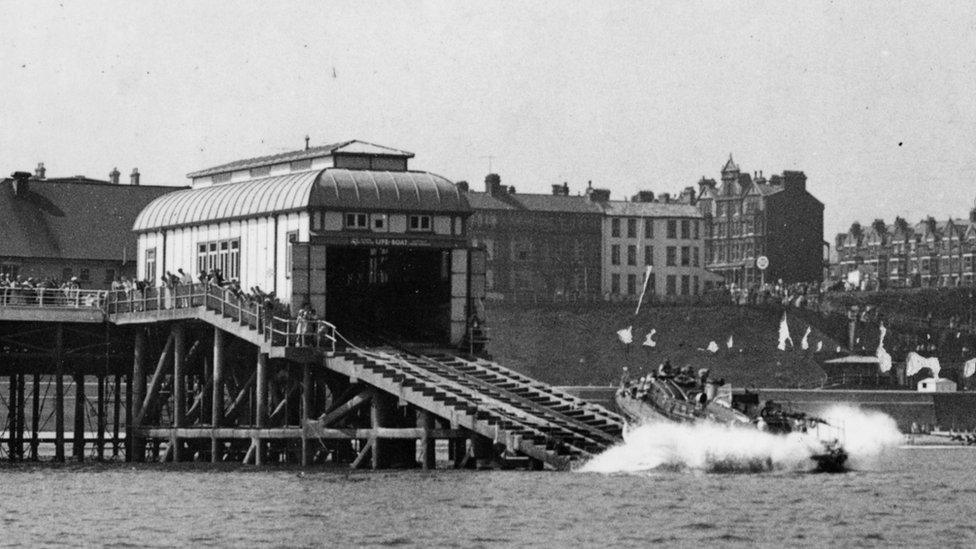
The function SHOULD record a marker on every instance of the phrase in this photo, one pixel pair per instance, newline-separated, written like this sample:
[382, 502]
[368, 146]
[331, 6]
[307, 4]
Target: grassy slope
[579, 346]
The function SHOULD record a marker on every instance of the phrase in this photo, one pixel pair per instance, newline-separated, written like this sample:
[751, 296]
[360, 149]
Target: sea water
[649, 490]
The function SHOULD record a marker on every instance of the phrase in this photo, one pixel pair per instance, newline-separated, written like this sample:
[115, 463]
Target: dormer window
[221, 177]
[356, 221]
[419, 223]
[260, 171]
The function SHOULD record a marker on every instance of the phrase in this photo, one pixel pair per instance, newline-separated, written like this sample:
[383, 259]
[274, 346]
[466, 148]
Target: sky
[874, 101]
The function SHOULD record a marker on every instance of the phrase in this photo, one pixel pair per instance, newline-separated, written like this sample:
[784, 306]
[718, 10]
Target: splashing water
[716, 448]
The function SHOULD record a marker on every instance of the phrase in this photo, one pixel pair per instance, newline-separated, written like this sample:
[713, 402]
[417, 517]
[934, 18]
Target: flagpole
[640, 300]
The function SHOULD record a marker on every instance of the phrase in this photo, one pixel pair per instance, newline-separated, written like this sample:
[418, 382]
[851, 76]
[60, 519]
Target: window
[631, 228]
[221, 177]
[109, 276]
[632, 284]
[615, 283]
[150, 274]
[695, 261]
[615, 254]
[224, 247]
[202, 257]
[291, 237]
[648, 255]
[672, 285]
[685, 256]
[379, 222]
[648, 228]
[298, 165]
[9, 269]
[672, 228]
[632, 255]
[672, 256]
[220, 254]
[696, 285]
[212, 255]
[356, 221]
[419, 223]
[615, 227]
[685, 228]
[260, 171]
[697, 233]
[685, 284]
[234, 261]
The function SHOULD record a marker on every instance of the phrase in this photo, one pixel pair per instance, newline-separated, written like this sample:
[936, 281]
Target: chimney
[598, 195]
[134, 177]
[113, 176]
[794, 181]
[307, 139]
[40, 170]
[972, 215]
[511, 190]
[643, 196]
[493, 184]
[688, 195]
[665, 198]
[21, 183]
[462, 186]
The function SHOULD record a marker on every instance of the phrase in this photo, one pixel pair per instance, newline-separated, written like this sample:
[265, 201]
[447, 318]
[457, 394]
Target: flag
[838, 349]
[649, 339]
[804, 343]
[784, 334]
[729, 343]
[819, 347]
[647, 276]
[914, 363]
[626, 335]
[712, 347]
[884, 359]
[969, 368]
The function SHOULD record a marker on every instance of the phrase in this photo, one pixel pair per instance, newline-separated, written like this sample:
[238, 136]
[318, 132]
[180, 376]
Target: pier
[195, 374]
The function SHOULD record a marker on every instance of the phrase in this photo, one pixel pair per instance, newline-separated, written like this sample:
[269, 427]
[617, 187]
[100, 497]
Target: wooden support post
[217, 401]
[306, 410]
[21, 416]
[12, 418]
[59, 393]
[35, 417]
[78, 446]
[379, 416]
[116, 414]
[135, 449]
[100, 428]
[156, 382]
[428, 455]
[261, 406]
[179, 384]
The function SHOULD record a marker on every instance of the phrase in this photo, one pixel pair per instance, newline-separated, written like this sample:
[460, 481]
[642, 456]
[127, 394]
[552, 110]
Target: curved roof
[331, 188]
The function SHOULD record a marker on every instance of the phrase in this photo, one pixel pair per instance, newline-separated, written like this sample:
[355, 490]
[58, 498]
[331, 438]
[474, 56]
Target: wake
[715, 448]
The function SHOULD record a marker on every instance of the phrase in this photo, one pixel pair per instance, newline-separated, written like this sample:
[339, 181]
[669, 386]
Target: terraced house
[928, 254]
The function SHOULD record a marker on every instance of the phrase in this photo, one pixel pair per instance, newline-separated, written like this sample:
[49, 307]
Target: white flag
[838, 349]
[914, 363]
[819, 347]
[647, 276]
[649, 339]
[626, 335]
[804, 343]
[729, 343]
[884, 359]
[712, 347]
[784, 334]
[969, 368]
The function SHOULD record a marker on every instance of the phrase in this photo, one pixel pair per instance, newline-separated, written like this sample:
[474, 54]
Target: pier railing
[277, 330]
[56, 298]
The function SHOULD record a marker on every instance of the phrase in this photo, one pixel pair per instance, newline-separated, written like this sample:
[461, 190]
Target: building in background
[751, 216]
[665, 234]
[65, 227]
[927, 254]
[539, 246]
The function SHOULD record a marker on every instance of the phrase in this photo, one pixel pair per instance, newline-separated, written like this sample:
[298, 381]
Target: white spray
[716, 448]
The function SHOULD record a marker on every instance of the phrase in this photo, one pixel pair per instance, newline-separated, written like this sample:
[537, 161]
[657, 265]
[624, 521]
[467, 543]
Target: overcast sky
[876, 102]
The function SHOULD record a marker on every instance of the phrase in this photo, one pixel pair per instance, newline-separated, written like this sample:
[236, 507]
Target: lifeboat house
[377, 249]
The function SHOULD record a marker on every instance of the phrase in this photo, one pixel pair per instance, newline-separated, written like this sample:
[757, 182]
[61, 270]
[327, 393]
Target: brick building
[67, 227]
[751, 216]
[927, 254]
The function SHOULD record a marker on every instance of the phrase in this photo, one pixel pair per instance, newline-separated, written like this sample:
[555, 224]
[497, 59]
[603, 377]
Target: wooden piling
[78, 439]
[12, 418]
[179, 385]
[21, 414]
[135, 448]
[427, 444]
[306, 410]
[35, 417]
[217, 401]
[261, 406]
[116, 414]
[59, 392]
[100, 413]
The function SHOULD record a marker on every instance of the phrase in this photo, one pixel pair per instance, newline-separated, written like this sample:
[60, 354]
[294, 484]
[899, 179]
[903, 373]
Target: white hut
[936, 385]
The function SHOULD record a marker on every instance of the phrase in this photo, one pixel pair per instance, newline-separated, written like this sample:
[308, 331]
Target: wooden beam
[78, 447]
[195, 411]
[178, 333]
[59, 392]
[425, 422]
[251, 455]
[35, 417]
[292, 389]
[345, 408]
[157, 380]
[306, 410]
[294, 433]
[116, 414]
[100, 418]
[135, 392]
[234, 409]
[217, 400]
[261, 403]
[362, 454]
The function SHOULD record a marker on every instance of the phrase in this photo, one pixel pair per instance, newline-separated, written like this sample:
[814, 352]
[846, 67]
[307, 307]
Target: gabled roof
[353, 146]
[730, 166]
[72, 218]
[332, 188]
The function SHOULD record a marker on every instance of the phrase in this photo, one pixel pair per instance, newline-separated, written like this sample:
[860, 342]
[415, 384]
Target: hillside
[578, 345]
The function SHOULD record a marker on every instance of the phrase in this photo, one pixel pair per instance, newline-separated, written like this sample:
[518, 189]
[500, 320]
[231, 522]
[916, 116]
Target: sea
[667, 486]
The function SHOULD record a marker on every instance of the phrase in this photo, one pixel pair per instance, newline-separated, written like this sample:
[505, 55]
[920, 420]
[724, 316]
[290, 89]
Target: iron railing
[58, 298]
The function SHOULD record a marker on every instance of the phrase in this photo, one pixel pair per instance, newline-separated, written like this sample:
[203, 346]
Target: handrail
[58, 298]
[278, 331]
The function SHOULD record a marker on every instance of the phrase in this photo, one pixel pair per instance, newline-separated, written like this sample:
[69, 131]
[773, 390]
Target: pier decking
[194, 373]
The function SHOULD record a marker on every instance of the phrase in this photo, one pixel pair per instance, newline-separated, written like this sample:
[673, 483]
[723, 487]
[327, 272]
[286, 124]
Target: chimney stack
[134, 177]
[21, 183]
[40, 170]
[462, 186]
[113, 176]
[493, 185]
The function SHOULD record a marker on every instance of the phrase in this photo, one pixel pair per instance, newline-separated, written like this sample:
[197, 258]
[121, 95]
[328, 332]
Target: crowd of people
[19, 290]
[801, 294]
